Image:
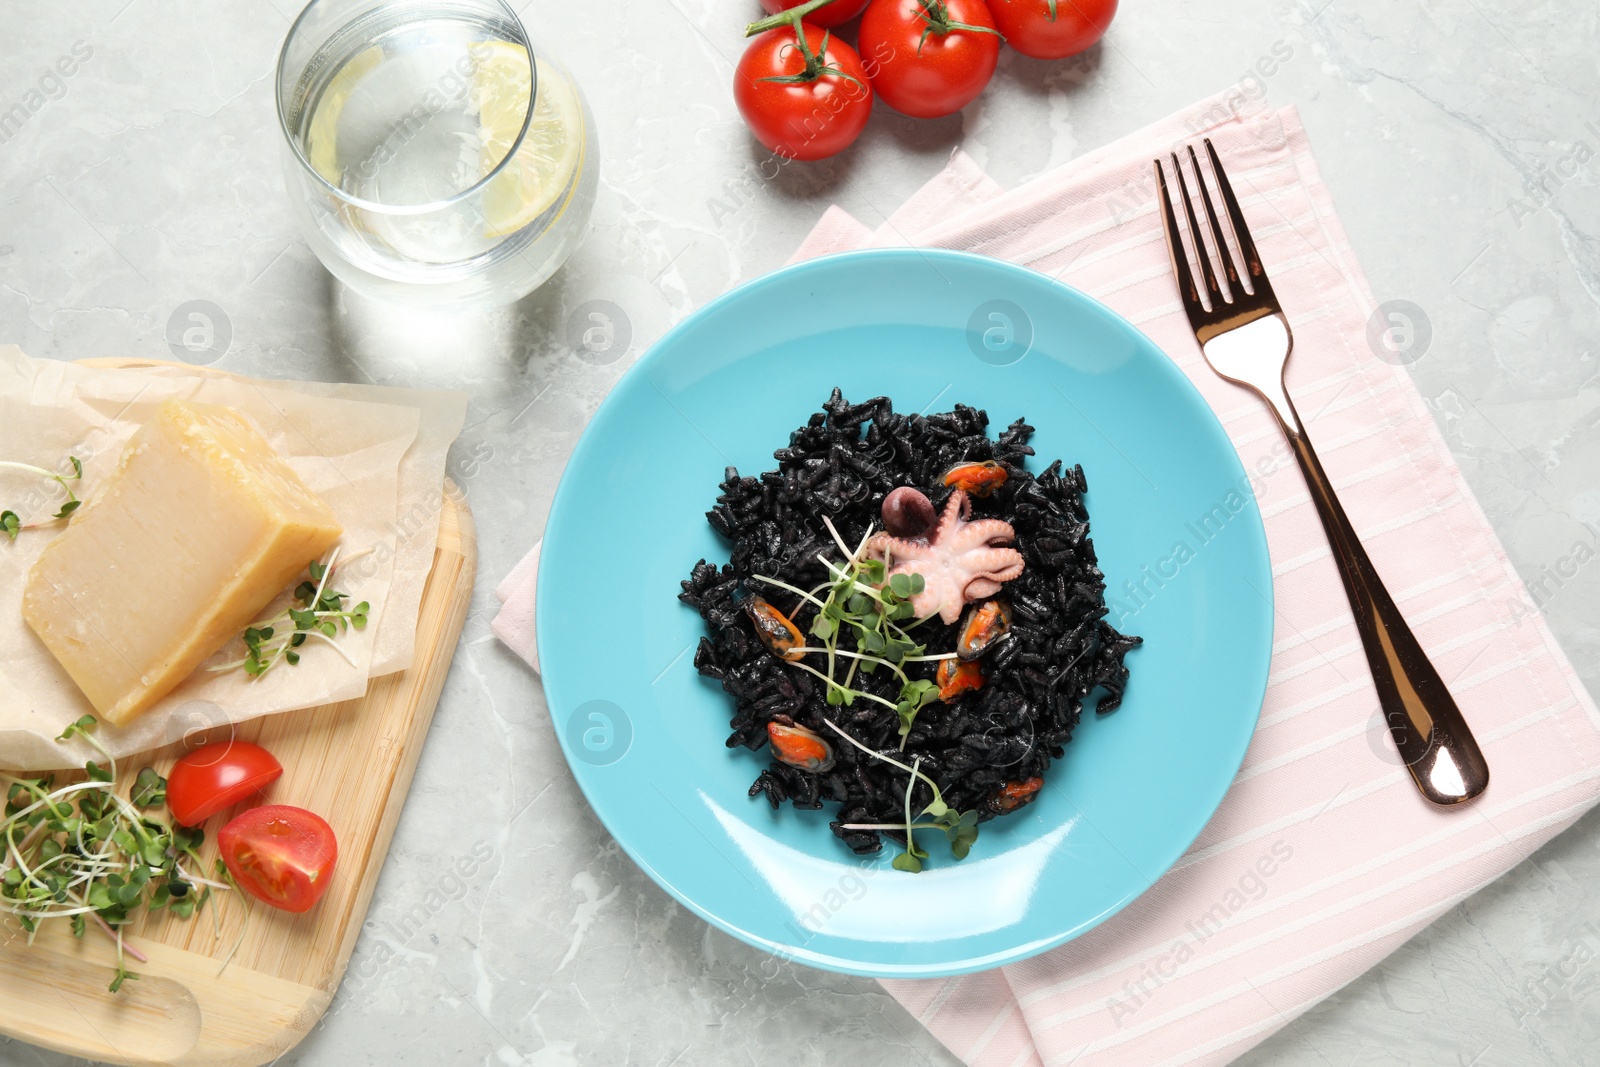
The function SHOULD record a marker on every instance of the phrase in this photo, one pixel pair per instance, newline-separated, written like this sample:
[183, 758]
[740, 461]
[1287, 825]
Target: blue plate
[1172, 516]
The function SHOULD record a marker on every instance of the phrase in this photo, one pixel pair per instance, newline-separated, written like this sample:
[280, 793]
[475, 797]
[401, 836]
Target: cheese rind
[200, 527]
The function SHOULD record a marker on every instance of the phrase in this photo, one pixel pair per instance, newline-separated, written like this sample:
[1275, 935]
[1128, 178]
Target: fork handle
[1428, 729]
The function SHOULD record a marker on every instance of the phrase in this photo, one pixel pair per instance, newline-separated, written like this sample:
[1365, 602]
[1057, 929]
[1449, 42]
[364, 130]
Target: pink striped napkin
[1322, 859]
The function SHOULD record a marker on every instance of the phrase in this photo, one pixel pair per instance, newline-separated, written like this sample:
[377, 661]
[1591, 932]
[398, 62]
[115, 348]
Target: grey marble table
[1456, 135]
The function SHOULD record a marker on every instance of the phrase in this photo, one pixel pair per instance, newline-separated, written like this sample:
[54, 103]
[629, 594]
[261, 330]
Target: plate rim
[650, 357]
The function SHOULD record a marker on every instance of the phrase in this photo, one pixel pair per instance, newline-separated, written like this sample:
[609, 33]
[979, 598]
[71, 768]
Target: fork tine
[1198, 238]
[1180, 259]
[1216, 228]
[1247, 246]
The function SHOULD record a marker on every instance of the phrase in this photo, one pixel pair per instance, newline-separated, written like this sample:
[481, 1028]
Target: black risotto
[1059, 651]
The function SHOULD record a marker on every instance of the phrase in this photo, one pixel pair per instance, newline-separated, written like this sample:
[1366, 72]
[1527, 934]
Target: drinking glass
[433, 155]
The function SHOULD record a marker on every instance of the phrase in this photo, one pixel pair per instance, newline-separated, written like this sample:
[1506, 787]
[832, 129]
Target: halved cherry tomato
[281, 855]
[218, 776]
[835, 14]
[1052, 29]
[806, 103]
[929, 57]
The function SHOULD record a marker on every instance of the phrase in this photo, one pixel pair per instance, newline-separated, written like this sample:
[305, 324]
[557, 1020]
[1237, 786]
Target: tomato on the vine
[802, 91]
[281, 855]
[931, 57]
[1052, 29]
[834, 14]
[218, 776]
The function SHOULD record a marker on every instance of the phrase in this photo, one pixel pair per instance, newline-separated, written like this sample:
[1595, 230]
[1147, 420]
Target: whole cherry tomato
[835, 14]
[1052, 29]
[218, 776]
[802, 101]
[929, 57]
[280, 855]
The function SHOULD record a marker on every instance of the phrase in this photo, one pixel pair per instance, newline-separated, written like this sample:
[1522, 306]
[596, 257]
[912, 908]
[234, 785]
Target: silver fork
[1246, 339]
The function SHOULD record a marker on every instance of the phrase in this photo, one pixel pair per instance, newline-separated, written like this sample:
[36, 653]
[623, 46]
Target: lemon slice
[536, 177]
[322, 144]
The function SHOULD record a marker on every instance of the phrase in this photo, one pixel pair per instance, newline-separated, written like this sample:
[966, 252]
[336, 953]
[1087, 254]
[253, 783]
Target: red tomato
[929, 57]
[218, 776]
[835, 14]
[1052, 29]
[822, 105]
[281, 855]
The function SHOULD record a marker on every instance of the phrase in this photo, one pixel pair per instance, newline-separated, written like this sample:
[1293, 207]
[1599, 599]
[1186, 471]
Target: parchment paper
[376, 455]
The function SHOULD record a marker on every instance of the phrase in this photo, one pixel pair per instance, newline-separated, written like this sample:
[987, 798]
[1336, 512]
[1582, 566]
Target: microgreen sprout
[84, 853]
[226, 876]
[315, 612]
[874, 608]
[149, 789]
[960, 827]
[11, 523]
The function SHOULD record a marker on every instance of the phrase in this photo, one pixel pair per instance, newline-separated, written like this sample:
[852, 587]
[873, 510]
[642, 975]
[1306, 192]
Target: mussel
[775, 630]
[799, 747]
[976, 479]
[957, 676]
[1014, 795]
[985, 624]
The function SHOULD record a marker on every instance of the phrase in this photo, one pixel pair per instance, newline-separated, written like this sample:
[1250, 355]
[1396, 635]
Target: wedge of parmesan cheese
[200, 527]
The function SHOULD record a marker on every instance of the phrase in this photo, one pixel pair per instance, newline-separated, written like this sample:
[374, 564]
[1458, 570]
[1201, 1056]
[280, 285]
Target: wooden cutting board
[351, 763]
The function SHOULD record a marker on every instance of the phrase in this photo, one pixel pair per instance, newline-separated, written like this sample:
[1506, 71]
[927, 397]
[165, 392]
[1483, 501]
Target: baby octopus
[960, 561]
